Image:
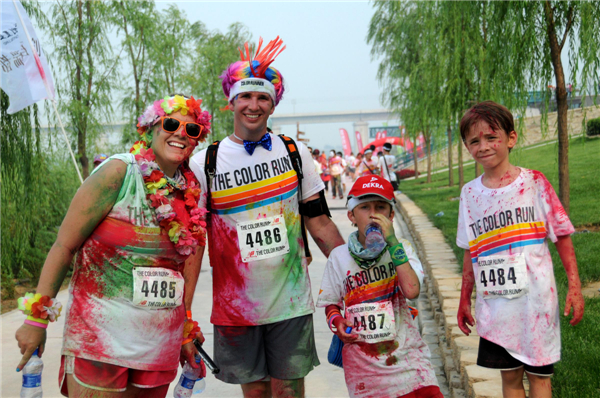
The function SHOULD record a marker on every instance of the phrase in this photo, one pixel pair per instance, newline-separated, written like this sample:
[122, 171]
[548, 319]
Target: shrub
[405, 173]
[593, 127]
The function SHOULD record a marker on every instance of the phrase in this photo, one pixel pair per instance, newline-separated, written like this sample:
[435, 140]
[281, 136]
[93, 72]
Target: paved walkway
[325, 381]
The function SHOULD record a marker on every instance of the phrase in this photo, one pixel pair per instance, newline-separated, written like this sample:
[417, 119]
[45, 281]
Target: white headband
[252, 84]
[353, 202]
[368, 151]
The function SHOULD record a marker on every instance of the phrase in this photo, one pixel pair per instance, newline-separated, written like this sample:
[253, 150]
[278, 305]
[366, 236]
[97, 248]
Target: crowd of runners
[340, 172]
[138, 227]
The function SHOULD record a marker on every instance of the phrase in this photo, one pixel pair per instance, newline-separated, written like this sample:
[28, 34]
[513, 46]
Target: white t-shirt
[255, 243]
[388, 368]
[508, 228]
[389, 159]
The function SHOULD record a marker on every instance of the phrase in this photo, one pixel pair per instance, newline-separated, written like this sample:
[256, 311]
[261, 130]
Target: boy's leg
[512, 383]
[539, 386]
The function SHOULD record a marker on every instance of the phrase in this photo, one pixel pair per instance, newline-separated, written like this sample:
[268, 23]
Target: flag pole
[50, 94]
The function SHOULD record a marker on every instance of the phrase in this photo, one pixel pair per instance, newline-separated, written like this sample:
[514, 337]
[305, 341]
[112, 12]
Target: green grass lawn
[578, 373]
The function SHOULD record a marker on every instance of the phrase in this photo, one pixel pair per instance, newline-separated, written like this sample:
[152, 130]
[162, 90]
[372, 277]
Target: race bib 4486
[263, 238]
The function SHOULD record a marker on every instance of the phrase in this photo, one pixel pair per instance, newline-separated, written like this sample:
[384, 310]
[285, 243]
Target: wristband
[398, 254]
[330, 322]
[188, 315]
[39, 309]
[36, 322]
[185, 341]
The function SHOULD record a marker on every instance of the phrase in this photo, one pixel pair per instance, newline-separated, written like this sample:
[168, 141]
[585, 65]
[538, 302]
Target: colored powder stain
[391, 360]
[229, 282]
[378, 349]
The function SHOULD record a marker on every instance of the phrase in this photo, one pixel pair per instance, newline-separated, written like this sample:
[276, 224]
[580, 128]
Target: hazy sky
[327, 63]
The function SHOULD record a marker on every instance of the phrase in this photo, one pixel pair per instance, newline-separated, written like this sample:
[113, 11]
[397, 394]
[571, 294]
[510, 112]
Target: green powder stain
[391, 360]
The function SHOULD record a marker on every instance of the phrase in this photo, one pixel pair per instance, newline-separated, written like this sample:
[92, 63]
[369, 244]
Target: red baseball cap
[372, 185]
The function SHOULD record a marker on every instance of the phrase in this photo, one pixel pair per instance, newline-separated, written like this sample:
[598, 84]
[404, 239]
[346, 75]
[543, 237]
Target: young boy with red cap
[383, 355]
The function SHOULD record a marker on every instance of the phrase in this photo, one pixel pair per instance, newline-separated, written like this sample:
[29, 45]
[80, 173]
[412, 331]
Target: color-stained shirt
[255, 245]
[388, 368]
[102, 324]
[367, 167]
[506, 232]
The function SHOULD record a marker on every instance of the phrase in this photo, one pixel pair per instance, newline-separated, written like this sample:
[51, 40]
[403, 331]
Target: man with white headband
[262, 189]
[368, 166]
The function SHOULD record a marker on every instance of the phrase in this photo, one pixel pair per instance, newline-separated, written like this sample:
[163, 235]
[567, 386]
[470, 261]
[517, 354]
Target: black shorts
[284, 350]
[493, 356]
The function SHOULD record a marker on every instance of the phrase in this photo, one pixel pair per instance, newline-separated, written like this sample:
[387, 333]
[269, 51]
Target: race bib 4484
[502, 276]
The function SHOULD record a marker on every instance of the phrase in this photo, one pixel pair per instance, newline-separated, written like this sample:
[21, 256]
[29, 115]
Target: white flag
[23, 71]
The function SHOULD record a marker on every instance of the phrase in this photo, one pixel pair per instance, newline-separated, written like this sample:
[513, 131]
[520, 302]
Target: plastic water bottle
[189, 376]
[32, 377]
[200, 386]
[374, 241]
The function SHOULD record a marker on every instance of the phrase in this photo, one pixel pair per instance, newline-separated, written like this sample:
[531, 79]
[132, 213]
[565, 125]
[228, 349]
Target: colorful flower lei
[39, 309]
[168, 105]
[175, 202]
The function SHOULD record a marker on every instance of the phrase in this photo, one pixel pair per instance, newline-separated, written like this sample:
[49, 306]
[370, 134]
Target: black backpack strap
[210, 169]
[292, 149]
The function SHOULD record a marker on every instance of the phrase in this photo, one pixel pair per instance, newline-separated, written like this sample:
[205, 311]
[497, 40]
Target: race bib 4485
[155, 287]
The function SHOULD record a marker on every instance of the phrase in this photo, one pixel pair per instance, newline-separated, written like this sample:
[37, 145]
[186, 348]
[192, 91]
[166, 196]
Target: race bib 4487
[373, 322]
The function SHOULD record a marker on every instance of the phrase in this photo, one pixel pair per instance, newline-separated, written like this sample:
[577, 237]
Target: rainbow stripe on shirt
[257, 194]
[510, 237]
[376, 284]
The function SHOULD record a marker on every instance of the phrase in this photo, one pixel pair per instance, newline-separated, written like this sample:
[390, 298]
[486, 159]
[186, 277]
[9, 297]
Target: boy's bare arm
[566, 251]
[464, 308]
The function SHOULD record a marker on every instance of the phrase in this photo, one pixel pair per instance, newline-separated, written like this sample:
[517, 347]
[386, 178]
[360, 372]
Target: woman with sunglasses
[136, 228]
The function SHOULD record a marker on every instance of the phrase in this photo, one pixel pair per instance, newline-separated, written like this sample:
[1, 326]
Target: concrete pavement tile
[487, 389]
[477, 373]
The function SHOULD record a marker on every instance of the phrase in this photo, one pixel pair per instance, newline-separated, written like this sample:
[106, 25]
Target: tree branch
[568, 27]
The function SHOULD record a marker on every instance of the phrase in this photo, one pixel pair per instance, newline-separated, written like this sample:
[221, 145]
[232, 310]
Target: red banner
[359, 143]
[378, 135]
[345, 142]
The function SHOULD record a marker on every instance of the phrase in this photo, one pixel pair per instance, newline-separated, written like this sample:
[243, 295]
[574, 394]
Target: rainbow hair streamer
[254, 72]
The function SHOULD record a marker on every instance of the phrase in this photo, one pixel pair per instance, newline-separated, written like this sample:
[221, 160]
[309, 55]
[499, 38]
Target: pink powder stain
[228, 276]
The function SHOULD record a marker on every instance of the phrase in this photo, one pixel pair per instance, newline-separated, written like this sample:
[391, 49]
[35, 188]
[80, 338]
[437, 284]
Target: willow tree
[136, 23]
[528, 40]
[213, 51]
[170, 52]
[86, 67]
[404, 35]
